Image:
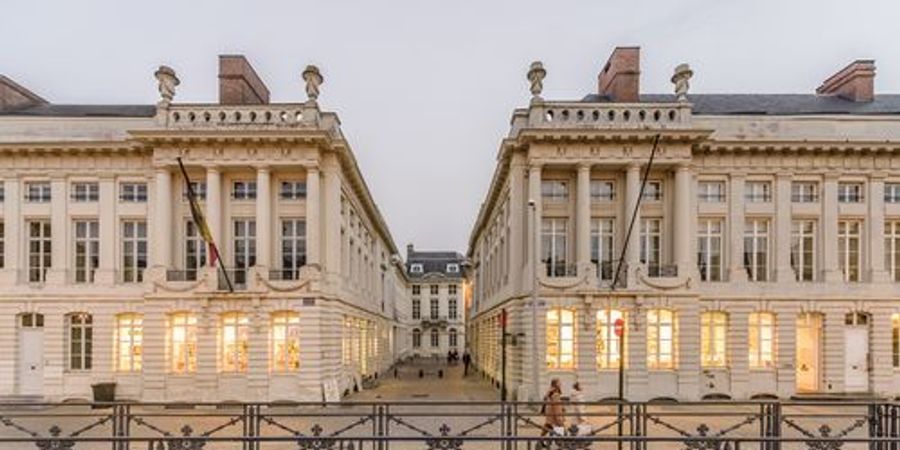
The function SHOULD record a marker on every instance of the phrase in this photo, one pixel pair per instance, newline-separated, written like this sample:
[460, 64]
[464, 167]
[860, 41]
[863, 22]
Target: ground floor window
[660, 339]
[608, 343]
[285, 342]
[560, 338]
[80, 346]
[235, 342]
[713, 329]
[129, 342]
[183, 343]
[761, 340]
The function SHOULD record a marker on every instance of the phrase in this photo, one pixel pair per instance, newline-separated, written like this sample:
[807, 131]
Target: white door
[856, 359]
[31, 361]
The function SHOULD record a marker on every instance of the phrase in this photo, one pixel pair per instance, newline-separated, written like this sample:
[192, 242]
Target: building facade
[756, 256]
[106, 277]
[437, 302]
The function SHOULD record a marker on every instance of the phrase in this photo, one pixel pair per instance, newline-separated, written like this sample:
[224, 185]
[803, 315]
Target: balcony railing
[284, 274]
[177, 275]
[560, 269]
[237, 276]
[662, 270]
[606, 273]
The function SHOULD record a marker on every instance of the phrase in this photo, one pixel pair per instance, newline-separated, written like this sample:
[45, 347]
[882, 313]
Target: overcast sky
[425, 88]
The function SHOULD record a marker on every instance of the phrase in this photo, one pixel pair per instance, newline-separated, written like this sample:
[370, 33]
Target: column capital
[784, 174]
[535, 166]
[878, 175]
[682, 167]
[831, 175]
[584, 166]
[212, 168]
[633, 166]
[738, 174]
[263, 168]
[311, 168]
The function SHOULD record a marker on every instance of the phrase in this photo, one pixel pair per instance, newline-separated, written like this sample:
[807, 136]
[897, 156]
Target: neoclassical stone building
[764, 258]
[437, 301]
[105, 277]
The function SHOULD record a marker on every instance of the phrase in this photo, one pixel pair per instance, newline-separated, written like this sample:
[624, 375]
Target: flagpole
[212, 245]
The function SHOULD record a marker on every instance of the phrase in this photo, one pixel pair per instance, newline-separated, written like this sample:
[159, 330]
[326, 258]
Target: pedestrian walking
[467, 359]
[552, 409]
[577, 399]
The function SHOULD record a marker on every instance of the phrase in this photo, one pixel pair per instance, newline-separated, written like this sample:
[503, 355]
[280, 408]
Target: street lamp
[535, 393]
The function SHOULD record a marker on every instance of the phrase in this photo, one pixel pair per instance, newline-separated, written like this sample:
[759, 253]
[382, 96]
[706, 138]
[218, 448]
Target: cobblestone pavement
[424, 418]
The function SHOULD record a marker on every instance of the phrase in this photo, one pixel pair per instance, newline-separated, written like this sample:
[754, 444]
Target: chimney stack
[15, 96]
[620, 78]
[409, 251]
[238, 82]
[856, 82]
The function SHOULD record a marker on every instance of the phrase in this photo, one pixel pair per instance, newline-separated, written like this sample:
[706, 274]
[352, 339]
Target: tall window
[199, 188]
[87, 250]
[554, 190]
[452, 338]
[849, 255]
[235, 342]
[416, 338]
[891, 248]
[243, 190]
[129, 342]
[194, 251]
[713, 328]
[560, 338]
[804, 192]
[292, 190]
[244, 248]
[2, 192]
[653, 191]
[892, 192]
[850, 192]
[762, 340]
[434, 289]
[603, 190]
[756, 249]
[709, 249]
[134, 250]
[416, 309]
[293, 247]
[451, 308]
[608, 343]
[37, 192]
[803, 249]
[553, 246]
[651, 245]
[758, 192]
[39, 247]
[85, 192]
[286, 342]
[602, 251]
[451, 289]
[81, 341]
[711, 191]
[183, 343]
[133, 192]
[435, 338]
[434, 310]
[660, 339]
[895, 340]
[2, 244]
[416, 289]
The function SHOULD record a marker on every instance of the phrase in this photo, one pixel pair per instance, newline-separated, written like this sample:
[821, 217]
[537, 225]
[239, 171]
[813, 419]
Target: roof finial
[681, 80]
[313, 79]
[167, 82]
[536, 74]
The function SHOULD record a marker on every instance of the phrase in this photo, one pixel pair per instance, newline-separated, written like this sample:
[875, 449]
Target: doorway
[809, 347]
[856, 352]
[31, 354]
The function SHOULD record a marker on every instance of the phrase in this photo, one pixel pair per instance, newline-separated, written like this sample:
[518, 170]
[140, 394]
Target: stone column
[163, 230]
[736, 272]
[109, 231]
[59, 229]
[632, 241]
[214, 205]
[332, 222]
[783, 271]
[830, 265]
[534, 227]
[14, 237]
[683, 230]
[517, 220]
[583, 219]
[878, 273]
[313, 218]
[263, 219]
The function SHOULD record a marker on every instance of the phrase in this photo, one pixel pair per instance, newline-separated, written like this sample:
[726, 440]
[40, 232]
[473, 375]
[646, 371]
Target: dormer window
[453, 268]
[415, 268]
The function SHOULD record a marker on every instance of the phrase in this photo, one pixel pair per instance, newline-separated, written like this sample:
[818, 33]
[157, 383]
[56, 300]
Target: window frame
[79, 348]
[285, 342]
[707, 235]
[758, 271]
[85, 192]
[138, 192]
[129, 347]
[181, 334]
[714, 339]
[555, 348]
[655, 354]
[752, 195]
[607, 342]
[706, 191]
[765, 355]
[243, 190]
[800, 240]
[234, 342]
[135, 250]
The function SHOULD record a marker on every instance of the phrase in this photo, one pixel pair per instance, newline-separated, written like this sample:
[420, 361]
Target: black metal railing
[178, 275]
[284, 274]
[606, 273]
[239, 278]
[662, 270]
[714, 425]
[560, 269]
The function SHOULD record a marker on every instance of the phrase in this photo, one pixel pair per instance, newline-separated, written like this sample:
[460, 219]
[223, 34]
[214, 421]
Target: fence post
[250, 419]
[770, 419]
[120, 426]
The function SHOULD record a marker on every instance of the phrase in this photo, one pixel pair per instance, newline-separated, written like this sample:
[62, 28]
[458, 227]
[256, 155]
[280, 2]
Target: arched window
[435, 338]
[560, 338]
[452, 338]
[79, 348]
[235, 342]
[416, 338]
[285, 341]
[608, 343]
[660, 339]
[182, 343]
[129, 342]
[762, 340]
[713, 331]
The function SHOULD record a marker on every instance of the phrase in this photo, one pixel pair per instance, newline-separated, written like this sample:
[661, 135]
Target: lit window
[709, 249]
[554, 190]
[849, 249]
[803, 249]
[891, 248]
[81, 337]
[415, 268]
[243, 190]
[129, 340]
[762, 340]
[711, 191]
[892, 192]
[609, 348]
[713, 327]
[133, 192]
[37, 192]
[560, 338]
[85, 192]
[660, 339]
[183, 343]
[804, 192]
[653, 191]
[850, 192]
[286, 342]
[235, 342]
[758, 192]
[756, 249]
[292, 190]
[603, 190]
[346, 337]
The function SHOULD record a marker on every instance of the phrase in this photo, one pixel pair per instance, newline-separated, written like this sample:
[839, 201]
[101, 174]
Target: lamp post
[535, 392]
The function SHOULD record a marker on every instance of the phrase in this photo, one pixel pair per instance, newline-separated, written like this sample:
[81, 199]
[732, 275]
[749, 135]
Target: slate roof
[51, 110]
[773, 104]
[434, 263]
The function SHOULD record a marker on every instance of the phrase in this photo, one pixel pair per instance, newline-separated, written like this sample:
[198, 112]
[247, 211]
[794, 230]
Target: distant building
[764, 258]
[437, 301]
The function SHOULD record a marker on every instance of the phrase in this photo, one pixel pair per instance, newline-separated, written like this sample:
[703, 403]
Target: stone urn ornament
[313, 79]
[167, 79]
[681, 79]
[536, 74]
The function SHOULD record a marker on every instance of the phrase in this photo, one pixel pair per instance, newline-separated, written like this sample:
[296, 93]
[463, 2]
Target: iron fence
[763, 425]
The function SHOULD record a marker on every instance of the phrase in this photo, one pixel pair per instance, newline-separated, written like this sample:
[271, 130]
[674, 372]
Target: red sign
[619, 327]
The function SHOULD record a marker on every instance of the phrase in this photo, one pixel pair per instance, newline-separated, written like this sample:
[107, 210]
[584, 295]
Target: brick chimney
[620, 78]
[15, 96]
[856, 82]
[238, 82]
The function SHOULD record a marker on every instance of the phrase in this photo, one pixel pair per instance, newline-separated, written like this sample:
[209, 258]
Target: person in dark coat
[466, 359]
